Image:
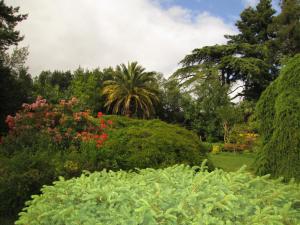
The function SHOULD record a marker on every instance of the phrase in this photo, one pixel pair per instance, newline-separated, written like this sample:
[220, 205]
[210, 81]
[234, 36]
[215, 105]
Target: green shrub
[23, 175]
[278, 114]
[24, 172]
[175, 195]
[208, 146]
[150, 143]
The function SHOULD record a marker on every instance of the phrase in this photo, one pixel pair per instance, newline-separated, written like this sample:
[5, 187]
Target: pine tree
[246, 57]
[9, 20]
[287, 25]
[12, 86]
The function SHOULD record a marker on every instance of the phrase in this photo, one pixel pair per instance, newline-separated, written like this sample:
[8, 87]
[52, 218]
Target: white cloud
[63, 34]
[251, 3]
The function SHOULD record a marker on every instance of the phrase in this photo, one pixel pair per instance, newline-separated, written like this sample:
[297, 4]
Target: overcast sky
[65, 34]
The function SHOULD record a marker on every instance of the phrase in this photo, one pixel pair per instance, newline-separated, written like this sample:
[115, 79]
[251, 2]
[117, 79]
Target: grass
[229, 161]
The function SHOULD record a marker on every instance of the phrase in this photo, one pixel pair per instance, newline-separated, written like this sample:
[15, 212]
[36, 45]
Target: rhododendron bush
[63, 123]
[46, 141]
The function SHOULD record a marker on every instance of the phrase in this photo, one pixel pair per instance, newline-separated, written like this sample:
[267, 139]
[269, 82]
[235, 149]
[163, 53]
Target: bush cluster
[47, 141]
[175, 195]
[44, 142]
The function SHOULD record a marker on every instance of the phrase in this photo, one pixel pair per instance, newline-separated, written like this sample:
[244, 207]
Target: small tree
[229, 116]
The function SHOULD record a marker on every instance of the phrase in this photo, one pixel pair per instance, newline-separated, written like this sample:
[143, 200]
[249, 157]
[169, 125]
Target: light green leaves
[175, 195]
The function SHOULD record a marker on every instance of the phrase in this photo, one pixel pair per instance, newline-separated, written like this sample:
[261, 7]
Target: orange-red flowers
[100, 114]
[61, 122]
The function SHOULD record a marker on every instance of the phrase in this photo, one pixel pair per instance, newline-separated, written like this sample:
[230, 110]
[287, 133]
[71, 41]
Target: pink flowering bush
[62, 123]
[46, 141]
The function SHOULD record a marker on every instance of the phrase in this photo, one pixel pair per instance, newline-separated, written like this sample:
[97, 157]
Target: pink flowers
[10, 122]
[69, 103]
[61, 122]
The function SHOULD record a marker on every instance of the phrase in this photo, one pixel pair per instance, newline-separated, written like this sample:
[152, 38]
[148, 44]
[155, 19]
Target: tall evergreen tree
[287, 25]
[9, 18]
[246, 57]
[13, 83]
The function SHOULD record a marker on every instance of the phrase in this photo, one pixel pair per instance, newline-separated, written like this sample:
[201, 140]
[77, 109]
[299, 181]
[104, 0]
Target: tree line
[200, 95]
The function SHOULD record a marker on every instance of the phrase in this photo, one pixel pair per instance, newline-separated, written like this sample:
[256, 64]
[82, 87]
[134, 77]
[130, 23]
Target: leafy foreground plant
[175, 195]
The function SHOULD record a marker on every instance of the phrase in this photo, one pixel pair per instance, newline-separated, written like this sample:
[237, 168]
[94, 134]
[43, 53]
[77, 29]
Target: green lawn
[232, 161]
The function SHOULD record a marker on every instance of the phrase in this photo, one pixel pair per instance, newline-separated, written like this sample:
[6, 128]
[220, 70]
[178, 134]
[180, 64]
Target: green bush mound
[174, 195]
[278, 113]
[136, 143]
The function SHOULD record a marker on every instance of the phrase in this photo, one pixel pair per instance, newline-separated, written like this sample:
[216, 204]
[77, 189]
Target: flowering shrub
[216, 149]
[31, 156]
[61, 122]
[241, 138]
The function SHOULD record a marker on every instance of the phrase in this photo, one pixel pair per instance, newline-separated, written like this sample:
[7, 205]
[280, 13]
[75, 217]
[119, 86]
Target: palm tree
[131, 91]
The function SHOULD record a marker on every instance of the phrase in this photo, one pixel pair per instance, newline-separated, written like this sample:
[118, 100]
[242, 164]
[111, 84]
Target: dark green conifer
[278, 113]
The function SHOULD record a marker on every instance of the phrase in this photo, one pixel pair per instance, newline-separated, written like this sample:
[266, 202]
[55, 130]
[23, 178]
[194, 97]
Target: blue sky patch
[228, 10]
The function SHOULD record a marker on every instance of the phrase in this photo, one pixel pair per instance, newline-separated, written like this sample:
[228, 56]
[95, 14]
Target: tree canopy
[246, 58]
[130, 91]
[9, 20]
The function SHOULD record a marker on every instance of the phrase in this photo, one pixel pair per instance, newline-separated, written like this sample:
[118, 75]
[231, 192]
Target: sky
[66, 34]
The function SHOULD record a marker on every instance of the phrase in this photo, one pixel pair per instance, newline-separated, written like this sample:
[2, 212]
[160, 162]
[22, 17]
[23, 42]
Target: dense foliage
[278, 116]
[212, 98]
[287, 24]
[150, 143]
[175, 195]
[135, 143]
[46, 141]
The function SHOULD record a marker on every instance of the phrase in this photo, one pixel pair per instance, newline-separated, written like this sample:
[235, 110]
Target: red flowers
[10, 122]
[61, 122]
[100, 114]
[87, 137]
